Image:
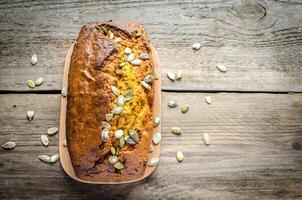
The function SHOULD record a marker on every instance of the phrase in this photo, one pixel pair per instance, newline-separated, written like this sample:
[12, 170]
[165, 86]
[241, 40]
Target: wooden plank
[255, 151]
[259, 41]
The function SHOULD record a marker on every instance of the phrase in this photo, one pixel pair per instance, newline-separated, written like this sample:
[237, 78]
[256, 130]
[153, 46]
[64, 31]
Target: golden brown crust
[94, 69]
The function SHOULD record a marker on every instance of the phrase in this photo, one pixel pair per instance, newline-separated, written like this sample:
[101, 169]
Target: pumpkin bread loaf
[110, 99]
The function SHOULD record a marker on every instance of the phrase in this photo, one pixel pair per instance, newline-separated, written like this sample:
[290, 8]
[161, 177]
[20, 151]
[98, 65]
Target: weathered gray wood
[259, 41]
[252, 154]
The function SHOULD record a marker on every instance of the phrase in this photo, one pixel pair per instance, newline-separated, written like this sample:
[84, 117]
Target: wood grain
[254, 154]
[259, 41]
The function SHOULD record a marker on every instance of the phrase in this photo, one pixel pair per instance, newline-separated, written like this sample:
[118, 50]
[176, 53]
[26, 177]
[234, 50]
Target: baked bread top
[110, 99]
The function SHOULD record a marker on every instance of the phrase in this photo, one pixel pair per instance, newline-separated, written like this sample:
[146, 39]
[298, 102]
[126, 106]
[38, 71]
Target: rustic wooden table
[255, 119]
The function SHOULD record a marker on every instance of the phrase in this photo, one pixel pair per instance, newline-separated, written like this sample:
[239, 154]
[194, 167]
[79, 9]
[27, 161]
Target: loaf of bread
[110, 99]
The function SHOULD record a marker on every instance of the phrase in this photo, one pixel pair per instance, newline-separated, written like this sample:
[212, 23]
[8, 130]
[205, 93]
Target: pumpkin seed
[117, 40]
[136, 62]
[178, 75]
[156, 138]
[122, 142]
[148, 78]
[171, 76]
[152, 162]
[30, 115]
[138, 34]
[172, 104]
[106, 125]
[117, 110]
[105, 134]
[8, 145]
[115, 90]
[44, 140]
[65, 143]
[118, 165]
[64, 92]
[196, 46]
[221, 67]
[34, 59]
[117, 151]
[179, 156]
[176, 130]
[146, 85]
[108, 116]
[126, 137]
[208, 99]
[128, 95]
[118, 134]
[206, 139]
[54, 158]
[39, 81]
[151, 148]
[130, 141]
[156, 121]
[122, 64]
[134, 136]
[110, 35]
[120, 100]
[127, 50]
[49, 159]
[52, 131]
[113, 159]
[31, 84]
[184, 108]
[112, 149]
[130, 57]
[144, 56]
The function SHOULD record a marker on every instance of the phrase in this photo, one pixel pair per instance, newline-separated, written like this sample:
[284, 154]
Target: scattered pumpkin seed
[117, 110]
[179, 156]
[105, 134]
[156, 121]
[152, 162]
[31, 84]
[178, 75]
[128, 95]
[144, 56]
[134, 136]
[30, 115]
[34, 59]
[171, 76]
[112, 149]
[176, 130]
[115, 90]
[208, 99]
[151, 148]
[8, 145]
[127, 50]
[44, 140]
[108, 116]
[39, 81]
[52, 131]
[156, 138]
[113, 159]
[118, 134]
[172, 104]
[136, 62]
[106, 125]
[65, 143]
[196, 46]
[221, 67]
[117, 40]
[146, 85]
[118, 165]
[54, 158]
[130, 141]
[206, 139]
[120, 100]
[122, 64]
[64, 92]
[110, 35]
[130, 57]
[122, 142]
[184, 108]
[148, 78]
[49, 159]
